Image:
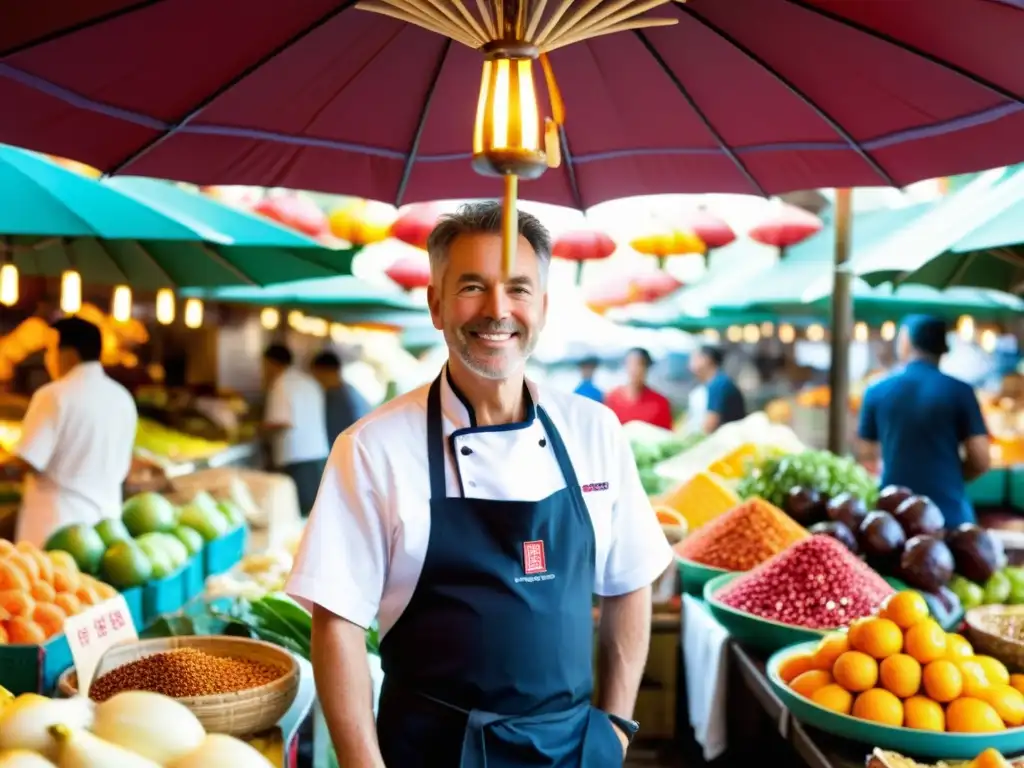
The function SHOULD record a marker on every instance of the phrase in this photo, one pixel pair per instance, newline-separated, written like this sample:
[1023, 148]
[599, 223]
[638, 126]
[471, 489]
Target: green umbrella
[325, 297]
[146, 233]
[972, 238]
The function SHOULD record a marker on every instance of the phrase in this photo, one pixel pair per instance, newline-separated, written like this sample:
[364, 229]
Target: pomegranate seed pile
[817, 583]
[742, 538]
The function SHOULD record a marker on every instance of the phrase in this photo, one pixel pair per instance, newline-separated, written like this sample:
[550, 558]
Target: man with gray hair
[474, 519]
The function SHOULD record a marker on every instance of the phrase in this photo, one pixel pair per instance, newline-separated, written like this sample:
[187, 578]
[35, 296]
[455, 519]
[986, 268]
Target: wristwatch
[628, 727]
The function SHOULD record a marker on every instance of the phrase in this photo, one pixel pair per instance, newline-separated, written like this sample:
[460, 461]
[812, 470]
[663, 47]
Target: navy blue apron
[490, 664]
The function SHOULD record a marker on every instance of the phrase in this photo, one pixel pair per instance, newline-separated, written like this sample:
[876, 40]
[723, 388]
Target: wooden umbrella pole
[509, 225]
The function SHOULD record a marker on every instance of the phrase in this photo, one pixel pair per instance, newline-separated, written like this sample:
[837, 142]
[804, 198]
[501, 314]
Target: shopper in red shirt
[635, 401]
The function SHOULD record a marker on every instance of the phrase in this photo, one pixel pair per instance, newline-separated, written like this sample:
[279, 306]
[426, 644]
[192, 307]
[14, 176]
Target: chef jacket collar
[460, 412]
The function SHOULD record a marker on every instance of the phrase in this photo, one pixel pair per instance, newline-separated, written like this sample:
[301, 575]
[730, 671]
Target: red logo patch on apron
[533, 558]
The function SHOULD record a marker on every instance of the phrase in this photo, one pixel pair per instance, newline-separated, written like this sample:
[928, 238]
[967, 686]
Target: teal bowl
[696, 575]
[906, 741]
[753, 631]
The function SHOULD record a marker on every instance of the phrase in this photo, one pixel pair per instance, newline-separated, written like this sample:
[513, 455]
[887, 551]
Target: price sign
[92, 632]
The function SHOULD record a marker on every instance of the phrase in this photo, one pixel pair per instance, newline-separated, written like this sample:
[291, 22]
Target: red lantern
[713, 231]
[651, 286]
[410, 272]
[295, 211]
[415, 223]
[788, 226]
[582, 245]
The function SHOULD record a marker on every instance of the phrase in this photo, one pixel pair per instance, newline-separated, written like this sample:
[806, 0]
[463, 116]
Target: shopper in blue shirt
[918, 420]
[586, 387]
[725, 401]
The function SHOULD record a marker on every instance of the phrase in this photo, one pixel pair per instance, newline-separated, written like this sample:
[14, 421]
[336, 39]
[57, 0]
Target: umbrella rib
[685, 93]
[102, 243]
[156, 264]
[948, 65]
[793, 89]
[222, 261]
[421, 123]
[152, 144]
[570, 168]
[80, 26]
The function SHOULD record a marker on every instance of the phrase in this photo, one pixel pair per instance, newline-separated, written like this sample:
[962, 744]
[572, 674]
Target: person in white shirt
[475, 518]
[77, 439]
[295, 422]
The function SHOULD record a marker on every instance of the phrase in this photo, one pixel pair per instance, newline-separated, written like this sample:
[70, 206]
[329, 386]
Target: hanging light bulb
[767, 329]
[734, 334]
[270, 318]
[861, 332]
[319, 327]
[296, 320]
[8, 285]
[337, 332]
[988, 340]
[712, 335]
[965, 327]
[70, 292]
[888, 331]
[165, 306]
[121, 304]
[751, 334]
[815, 333]
[507, 134]
[193, 313]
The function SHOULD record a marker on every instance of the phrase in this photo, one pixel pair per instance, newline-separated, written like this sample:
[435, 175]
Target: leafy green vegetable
[647, 454]
[773, 477]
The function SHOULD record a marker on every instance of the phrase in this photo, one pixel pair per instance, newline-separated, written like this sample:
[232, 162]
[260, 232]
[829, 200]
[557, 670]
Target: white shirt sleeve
[278, 409]
[639, 552]
[39, 430]
[342, 563]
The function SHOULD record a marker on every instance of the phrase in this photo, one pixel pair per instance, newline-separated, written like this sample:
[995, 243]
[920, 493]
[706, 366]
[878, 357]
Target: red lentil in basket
[817, 583]
[742, 538]
[185, 672]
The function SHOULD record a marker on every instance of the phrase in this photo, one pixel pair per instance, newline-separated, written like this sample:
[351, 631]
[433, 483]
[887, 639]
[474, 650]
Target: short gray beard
[458, 343]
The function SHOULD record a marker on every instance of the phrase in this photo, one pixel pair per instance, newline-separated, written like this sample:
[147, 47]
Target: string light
[165, 306]
[121, 304]
[193, 313]
[70, 292]
[270, 318]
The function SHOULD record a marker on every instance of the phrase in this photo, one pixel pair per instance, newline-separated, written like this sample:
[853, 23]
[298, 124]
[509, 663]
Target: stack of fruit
[155, 441]
[821, 474]
[135, 729]
[151, 540]
[39, 591]
[899, 668]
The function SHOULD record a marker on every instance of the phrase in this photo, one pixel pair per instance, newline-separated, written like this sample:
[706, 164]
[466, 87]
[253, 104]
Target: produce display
[39, 591]
[821, 474]
[742, 538]
[699, 500]
[816, 584]
[899, 668]
[151, 540]
[134, 729]
[990, 758]
[255, 575]
[654, 448]
[184, 672]
[153, 439]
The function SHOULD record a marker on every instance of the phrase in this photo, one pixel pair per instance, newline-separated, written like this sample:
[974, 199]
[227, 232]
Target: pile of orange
[39, 590]
[900, 668]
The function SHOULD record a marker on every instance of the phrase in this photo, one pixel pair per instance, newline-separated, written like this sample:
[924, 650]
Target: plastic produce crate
[195, 577]
[1016, 499]
[136, 605]
[220, 555]
[991, 489]
[163, 596]
[34, 668]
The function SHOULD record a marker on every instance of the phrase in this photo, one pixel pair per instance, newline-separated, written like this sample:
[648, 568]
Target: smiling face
[491, 324]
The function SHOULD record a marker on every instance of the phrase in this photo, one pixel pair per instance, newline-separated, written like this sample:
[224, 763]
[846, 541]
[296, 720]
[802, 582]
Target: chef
[474, 519]
[77, 439]
[925, 426]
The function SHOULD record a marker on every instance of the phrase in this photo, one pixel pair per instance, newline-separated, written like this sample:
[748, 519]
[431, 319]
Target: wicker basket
[998, 631]
[241, 713]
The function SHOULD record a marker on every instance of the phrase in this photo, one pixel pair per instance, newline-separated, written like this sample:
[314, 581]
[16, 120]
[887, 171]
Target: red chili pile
[742, 538]
[817, 583]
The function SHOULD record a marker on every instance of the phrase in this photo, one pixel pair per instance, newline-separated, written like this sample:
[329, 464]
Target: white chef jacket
[297, 399]
[78, 433]
[364, 545]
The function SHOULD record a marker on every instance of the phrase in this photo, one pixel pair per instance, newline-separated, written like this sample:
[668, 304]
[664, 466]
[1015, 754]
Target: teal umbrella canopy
[328, 297]
[147, 233]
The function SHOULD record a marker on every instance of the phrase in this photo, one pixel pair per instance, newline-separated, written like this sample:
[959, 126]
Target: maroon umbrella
[750, 96]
